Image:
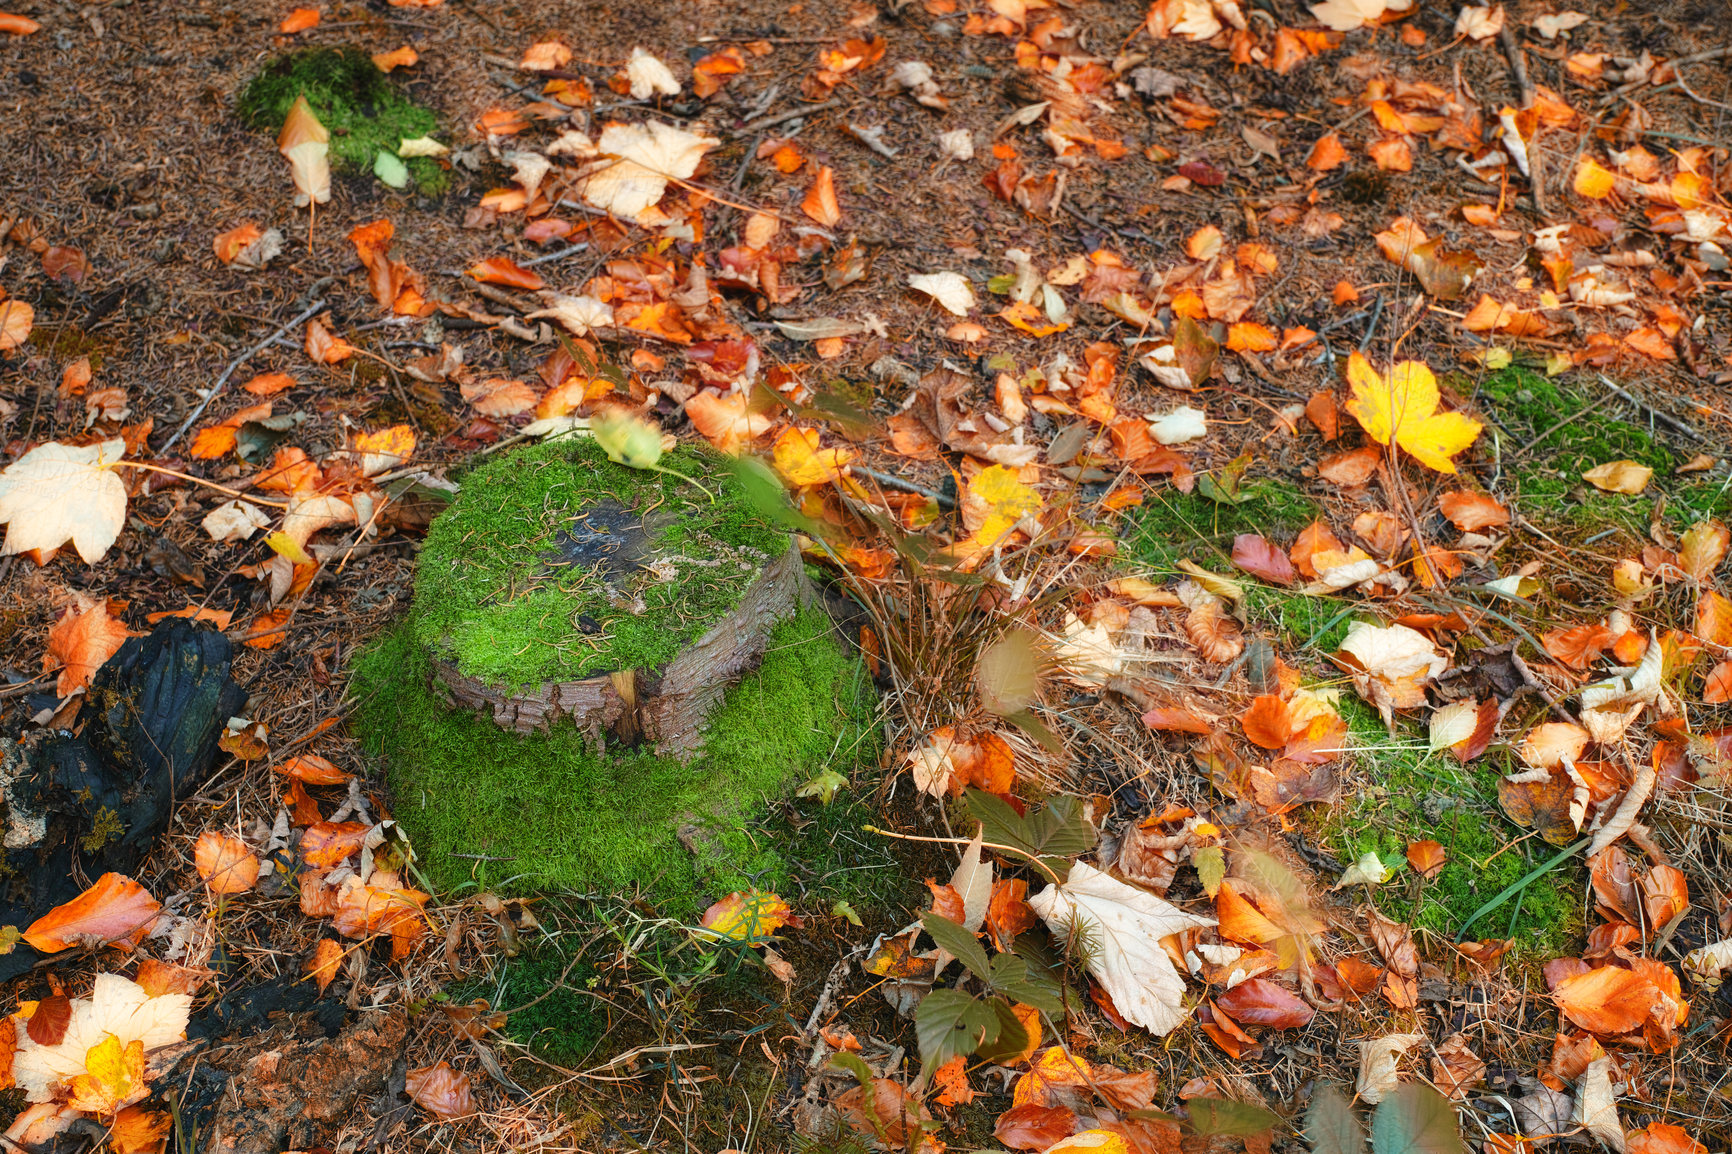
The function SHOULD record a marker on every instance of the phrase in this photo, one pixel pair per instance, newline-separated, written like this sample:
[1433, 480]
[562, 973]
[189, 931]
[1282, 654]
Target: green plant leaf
[1416, 1119]
[950, 1022]
[823, 786]
[1211, 863]
[1222, 1116]
[843, 910]
[391, 170]
[1330, 1126]
[958, 942]
[1012, 1037]
[1057, 831]
[1009, 975]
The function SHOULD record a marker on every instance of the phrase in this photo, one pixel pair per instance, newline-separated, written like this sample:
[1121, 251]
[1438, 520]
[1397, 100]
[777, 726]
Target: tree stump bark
[665, 707]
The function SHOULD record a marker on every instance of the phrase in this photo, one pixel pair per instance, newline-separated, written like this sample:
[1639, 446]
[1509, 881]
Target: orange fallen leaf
[1608, 1000]
[16, 320]
[1391, 153]
[235, 241]
[330, 843]
[324, 347]
[1249, 336]
[299, 20]
[1326, 155]
[115, 910]
[1469, 511]
[267, 630]
[269, 384]
[502, 270]
[403, 57]
[322, 966]
[218, 617]
[363, 909]
[1031, 320]
[545, 56]
[79, 643]
[156, 978]
[113, 1077]
[801, 462]
[17, 25]
[312, 769]
[137, 1130]
[1426, 857]
[225, 863]
[1594, 181]
[820, 202]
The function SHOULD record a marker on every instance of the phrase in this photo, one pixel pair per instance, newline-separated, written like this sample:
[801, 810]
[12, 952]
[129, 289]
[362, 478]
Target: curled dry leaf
[950, 289]
[1379, 1065]
[1391, 666]
[1427, 858]
[637, 161]
[1215, 634]
[441, 1091]
[313, 770]
[322, 966]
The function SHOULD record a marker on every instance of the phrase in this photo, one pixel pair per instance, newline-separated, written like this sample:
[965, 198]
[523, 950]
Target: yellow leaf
[113, 1077]
[1619, 477]
[1400, 407]
[747, 916]
[1594, 181]
[287, 546]
[801, 462]
[1001, 500]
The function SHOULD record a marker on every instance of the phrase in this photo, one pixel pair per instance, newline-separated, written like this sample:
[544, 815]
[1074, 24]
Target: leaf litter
[1202, 739]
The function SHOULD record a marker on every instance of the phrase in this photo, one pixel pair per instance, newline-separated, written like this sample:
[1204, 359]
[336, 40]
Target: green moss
[1172, 525]
[364, 110]
[486, 595]
[106, 827]
[547, 812]
[1410, 794]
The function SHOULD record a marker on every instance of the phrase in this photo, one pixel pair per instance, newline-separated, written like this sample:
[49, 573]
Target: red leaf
[1203, 173]
[115, 909]
[48, 1024]
[1263, 1003]
[1254, 554]
[1484, 728]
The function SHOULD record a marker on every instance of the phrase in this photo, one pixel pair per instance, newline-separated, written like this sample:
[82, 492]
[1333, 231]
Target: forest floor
[1388, 750]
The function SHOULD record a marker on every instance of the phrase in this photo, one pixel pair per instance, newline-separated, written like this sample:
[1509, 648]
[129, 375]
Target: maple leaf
[58, 493]
[80, 643]
[117, 1008]
[113, 1077]
[639, 161]
[1125, 926]
[1400, 407]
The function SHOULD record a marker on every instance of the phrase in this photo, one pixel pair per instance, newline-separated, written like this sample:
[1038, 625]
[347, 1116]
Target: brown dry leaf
[269, 384]
[1455, 1068]
[502, 270]
[497, 397]
[1352, 468]
[325, 347]
[157, 978]
[1579, 646]
[1259, 1002]
[1702, 548]
[727, 420]
[79, 643]
[545, 56]
[1215, 634]
[1322, 412]
[114, 910]
[225, 863]
[441, 1091]
[1619, 477]
[313, 769]
[1267, 722]
[17, 318]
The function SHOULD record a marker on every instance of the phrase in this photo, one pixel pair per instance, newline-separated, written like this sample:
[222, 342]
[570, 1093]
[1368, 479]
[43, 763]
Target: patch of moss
[487, 595]
[1411, 794]
[364, 110]
[106, 827]
[1172, 525]
[548, 812]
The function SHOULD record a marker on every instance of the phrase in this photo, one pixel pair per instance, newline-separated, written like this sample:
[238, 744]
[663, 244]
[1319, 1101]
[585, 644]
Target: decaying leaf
[58, 493]
[441, 1091]
[1125, 925]
[114, 910]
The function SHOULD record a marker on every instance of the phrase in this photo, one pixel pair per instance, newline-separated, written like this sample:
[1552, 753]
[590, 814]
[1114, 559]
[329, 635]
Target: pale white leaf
[579, 314]
[1182, 424]
[950, 289]
[1454, 724]
[1124, 927]
[421, 146]
[58, 493]
[973, 882]
[116, 1006]
[649, 77]
[1379, 1065]
[1369, 870]
[1552, 24]
[1597, 1106]
[637, 162]
[234, 521]
[1478, 22]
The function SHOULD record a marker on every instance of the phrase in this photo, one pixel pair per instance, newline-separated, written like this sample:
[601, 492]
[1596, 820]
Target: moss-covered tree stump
[603, 679]
[564, 586]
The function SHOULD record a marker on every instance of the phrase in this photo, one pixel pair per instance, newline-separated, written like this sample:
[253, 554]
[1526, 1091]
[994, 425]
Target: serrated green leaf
[1223, 1116]
[950, 1022]
[1057, 832]
[1011, 977]
[1416, 1119]
[1330, 1126]
[1211, 863]
[957, 941]
[1012, 1037]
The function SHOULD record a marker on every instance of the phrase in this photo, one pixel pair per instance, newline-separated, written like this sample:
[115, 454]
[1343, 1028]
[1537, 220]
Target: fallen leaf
[950, 289]
[1391, 666]
[747, 916]
[545, 56]
[1427, 858]
[305, 143]
[639, 161]
[820, 201]
[1619, 477]
[1259, 1002]
[441, 1091]
[225, 863]
[58, 493]
[137, 1130]
[113, 1077]
[1662, 1137]
[1124, 926]
[1347, 15]
[115, 909]
[1401, 407]
[1608, 1000]
[17, 26]
[404, 57]
[649, 77]
[1379, 1065]
[79, 643]
[504, 271]
[1469, 511]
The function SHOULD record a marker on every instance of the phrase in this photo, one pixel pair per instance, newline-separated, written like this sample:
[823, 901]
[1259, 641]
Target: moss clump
[1171, 525]
[365, 112]
[548, 812]
[1410, 794]
[487, 596]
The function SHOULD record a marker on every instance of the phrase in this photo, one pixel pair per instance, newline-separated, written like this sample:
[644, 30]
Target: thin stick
[1664, 418]
[200, 481]
[791, 114]
[228, 372]
[553, 256]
